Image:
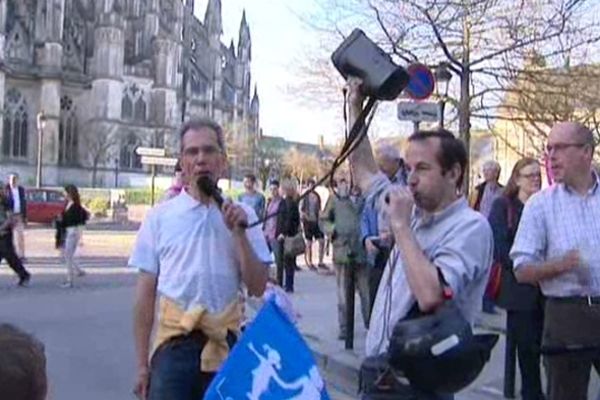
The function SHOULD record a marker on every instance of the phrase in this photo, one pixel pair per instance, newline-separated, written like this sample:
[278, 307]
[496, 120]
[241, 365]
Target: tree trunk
[464, 106]
[94, 173]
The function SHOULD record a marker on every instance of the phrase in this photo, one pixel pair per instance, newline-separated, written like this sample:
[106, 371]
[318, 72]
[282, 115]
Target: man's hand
[142, 383]
[371, 248]
[399, 205]
[569, 261]
[235, 217]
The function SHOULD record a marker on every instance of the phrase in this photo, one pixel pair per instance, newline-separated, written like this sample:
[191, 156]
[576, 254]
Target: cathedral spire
[232, 49]
[255, 103]
[244, 42]
[212, 17]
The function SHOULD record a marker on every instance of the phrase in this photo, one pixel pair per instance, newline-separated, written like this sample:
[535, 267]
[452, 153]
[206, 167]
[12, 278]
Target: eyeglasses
[534, 175]
[207, 150]
[562, 146]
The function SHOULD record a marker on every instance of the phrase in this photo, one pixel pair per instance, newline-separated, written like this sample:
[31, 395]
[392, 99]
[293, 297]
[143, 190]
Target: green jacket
[341, 221]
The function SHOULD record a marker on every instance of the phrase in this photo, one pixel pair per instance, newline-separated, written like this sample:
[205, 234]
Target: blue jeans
[175, 370]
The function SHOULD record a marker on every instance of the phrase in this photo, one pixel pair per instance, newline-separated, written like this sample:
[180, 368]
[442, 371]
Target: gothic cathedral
[112, 75]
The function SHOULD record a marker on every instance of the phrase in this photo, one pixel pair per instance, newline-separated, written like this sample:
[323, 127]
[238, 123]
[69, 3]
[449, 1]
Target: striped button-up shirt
[554, 221]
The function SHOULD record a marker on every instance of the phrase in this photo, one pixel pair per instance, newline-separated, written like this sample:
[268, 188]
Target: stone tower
[49, 54]
[214, 28]
[107, 72]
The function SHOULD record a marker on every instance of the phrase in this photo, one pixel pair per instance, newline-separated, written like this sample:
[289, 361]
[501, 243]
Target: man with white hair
[375, 229]
[391, 163]
[481, 200]
[485, 193]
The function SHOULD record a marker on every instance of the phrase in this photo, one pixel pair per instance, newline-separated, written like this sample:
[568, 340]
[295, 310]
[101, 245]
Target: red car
[44, 205]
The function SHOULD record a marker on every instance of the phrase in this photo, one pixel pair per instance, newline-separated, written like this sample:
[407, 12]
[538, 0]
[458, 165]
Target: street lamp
[442, 77]
[116, 172]
[41, 125]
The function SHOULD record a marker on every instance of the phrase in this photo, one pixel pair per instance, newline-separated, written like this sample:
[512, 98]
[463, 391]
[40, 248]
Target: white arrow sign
[167, 161]
[150, 151]
[421, 111]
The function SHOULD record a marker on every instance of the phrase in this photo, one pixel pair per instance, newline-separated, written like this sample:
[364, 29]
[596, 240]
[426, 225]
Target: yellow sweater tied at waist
[173, 321]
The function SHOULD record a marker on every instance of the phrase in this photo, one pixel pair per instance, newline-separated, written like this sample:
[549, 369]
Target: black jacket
[73, 216]
[288, 222]
[513, 295]
[22, 199]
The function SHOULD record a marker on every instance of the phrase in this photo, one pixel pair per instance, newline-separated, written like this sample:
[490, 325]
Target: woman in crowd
[523, 302]
[289, 227]
[71, 223]
[177, 184]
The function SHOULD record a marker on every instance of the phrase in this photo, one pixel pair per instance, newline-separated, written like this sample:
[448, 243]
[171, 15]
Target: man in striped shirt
[556, 246]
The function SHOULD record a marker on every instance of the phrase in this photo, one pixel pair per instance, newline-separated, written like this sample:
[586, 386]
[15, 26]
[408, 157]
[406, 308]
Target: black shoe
[342, 336]
[24, 280]
[289, 290]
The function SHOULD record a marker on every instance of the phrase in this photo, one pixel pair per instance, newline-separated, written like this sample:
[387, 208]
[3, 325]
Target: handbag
[293, 246]
[492, 290]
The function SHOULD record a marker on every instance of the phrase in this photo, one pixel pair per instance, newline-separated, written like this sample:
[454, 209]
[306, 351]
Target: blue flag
[271, 361]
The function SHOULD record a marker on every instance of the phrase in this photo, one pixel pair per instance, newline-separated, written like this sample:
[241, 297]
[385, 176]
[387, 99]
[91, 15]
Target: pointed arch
[68, 133]
[128, 158]
[16, 125]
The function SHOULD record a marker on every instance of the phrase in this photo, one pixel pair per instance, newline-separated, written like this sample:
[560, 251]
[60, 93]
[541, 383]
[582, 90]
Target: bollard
[350, 290]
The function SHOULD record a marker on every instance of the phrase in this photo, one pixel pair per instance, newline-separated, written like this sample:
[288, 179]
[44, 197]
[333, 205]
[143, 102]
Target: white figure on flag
[311, 385]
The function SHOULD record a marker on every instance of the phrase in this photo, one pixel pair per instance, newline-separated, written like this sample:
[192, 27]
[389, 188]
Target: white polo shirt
[191, 250]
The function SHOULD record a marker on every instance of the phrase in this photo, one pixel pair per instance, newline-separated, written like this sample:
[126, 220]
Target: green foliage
[142, 196]
[97, 206]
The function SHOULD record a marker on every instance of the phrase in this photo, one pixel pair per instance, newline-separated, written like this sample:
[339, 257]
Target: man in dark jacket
[7, 247]
[18, 205]
[272, 227]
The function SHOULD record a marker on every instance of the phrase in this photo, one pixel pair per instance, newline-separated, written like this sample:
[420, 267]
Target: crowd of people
[13, 220]
[402, 226]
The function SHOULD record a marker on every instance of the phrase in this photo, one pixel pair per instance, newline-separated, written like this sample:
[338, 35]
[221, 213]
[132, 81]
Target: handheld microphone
[210, 189]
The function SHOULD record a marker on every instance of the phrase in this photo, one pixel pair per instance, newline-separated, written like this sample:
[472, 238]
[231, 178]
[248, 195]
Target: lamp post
[41, 124]
[116, 172]
[442, 77]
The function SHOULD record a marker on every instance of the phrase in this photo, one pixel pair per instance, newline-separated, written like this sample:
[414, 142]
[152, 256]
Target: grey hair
[388, 151]
[203, 123]
[491, 163]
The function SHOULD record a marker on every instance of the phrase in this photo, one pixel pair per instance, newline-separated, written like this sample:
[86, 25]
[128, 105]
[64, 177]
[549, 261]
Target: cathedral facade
[92, 80]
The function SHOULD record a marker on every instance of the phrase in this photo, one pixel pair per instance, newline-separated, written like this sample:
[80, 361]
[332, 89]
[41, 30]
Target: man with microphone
[196, 258]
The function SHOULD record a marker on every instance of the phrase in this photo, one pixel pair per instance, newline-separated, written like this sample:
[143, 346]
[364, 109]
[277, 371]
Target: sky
[278, 37]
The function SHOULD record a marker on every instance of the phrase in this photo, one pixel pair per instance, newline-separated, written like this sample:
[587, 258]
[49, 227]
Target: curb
[340, 374]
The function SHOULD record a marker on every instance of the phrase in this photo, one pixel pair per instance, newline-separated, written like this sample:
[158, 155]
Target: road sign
[150, 151]
[421, 83]
[418, 111]
[167, 161]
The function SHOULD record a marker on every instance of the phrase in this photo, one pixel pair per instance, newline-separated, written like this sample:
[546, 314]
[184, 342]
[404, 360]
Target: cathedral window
[128, 158]
[133, 104]
[15, 135]
[68, 134]
[228, 93]
[198, 85]
[140, 110]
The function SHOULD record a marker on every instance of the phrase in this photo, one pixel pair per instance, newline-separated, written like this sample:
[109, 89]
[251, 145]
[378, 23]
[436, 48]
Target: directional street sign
[418, 111]
[167, 161]
[150, 151]
[421, 83]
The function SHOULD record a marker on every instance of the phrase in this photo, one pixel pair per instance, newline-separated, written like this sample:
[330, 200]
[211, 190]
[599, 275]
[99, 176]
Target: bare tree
[483, 42]
[100, 141]
[541, 96]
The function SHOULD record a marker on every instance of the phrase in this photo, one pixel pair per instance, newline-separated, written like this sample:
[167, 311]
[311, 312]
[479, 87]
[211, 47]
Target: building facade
[110, 76]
